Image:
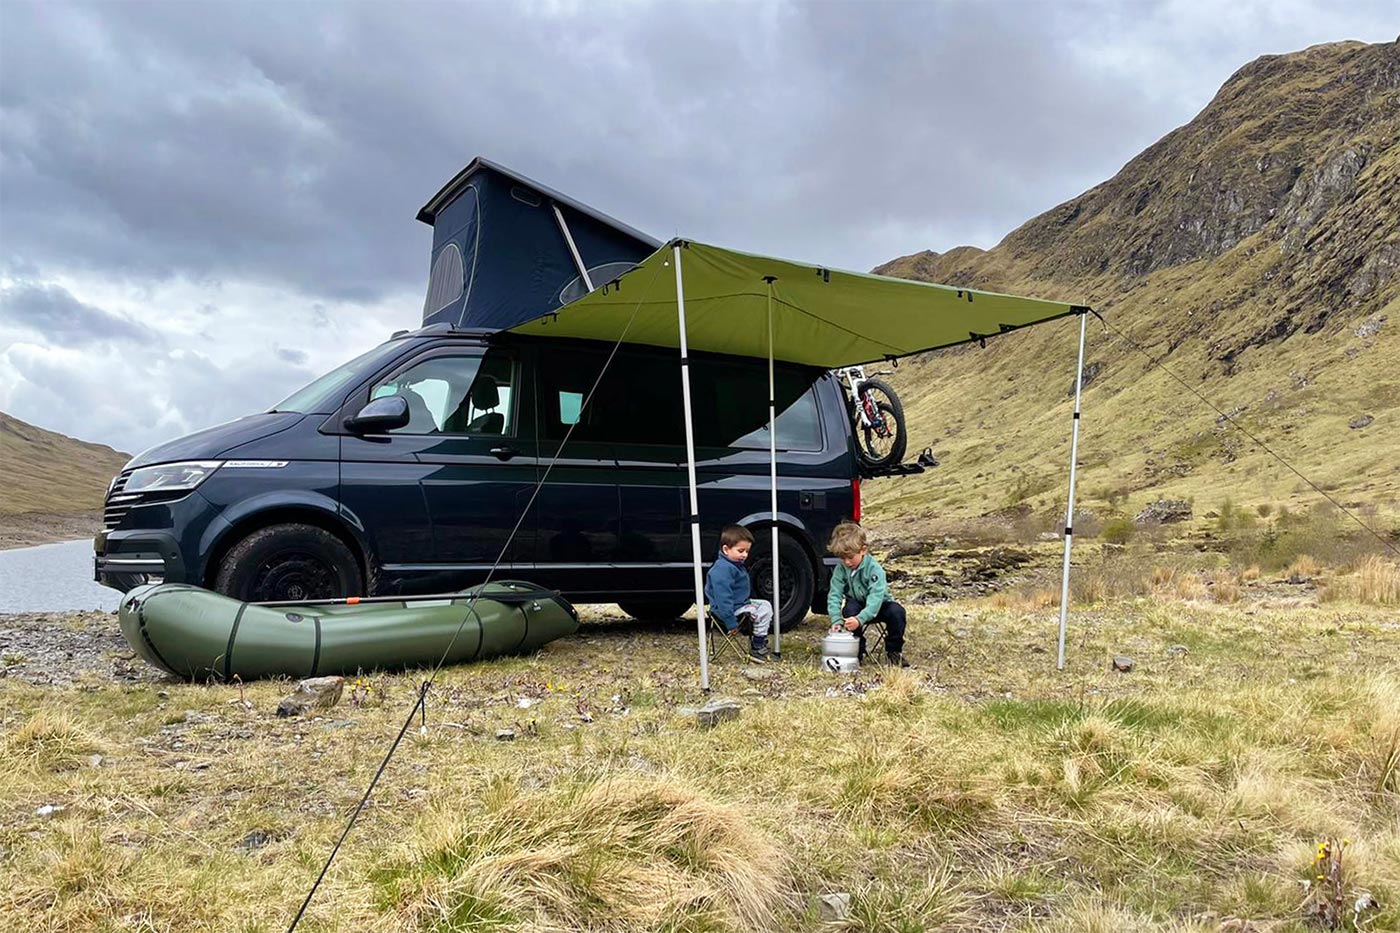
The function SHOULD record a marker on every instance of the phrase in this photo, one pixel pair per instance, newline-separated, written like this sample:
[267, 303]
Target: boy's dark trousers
[891, 613]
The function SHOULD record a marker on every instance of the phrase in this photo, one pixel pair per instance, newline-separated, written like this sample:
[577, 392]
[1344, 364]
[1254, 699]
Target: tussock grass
[1376, 582]
[612, 852]
[49, 740]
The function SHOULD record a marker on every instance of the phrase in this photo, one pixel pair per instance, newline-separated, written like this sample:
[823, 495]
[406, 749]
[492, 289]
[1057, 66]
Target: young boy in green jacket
[859, 592]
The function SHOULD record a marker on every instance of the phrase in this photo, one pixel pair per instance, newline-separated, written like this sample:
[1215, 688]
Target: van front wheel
[797, 578]
[289, 562]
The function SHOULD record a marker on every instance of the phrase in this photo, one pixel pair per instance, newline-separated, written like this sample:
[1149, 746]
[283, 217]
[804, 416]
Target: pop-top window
[446, 281]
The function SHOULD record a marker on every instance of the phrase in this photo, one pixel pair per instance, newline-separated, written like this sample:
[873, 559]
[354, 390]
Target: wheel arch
[306, 513]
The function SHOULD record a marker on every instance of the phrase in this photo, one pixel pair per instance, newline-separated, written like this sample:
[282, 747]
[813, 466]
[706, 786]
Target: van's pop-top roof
[507, 249]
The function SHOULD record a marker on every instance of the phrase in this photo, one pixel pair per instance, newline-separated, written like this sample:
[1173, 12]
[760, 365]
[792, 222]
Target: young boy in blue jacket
[859, 592]
[727, 590]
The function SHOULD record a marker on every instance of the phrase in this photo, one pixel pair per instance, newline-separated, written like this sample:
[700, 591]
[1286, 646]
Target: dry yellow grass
[1376, 583]
[979, 791]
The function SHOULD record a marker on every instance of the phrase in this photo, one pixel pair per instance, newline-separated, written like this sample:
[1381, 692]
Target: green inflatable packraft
[197, 634]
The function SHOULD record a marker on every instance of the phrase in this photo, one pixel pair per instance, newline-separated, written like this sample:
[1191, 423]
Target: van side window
[467, 394]
[638, 400]
[731, 405]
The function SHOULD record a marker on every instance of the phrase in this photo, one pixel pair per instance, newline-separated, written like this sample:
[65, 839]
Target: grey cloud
[53, 312]
[297, 357]
[294, 146]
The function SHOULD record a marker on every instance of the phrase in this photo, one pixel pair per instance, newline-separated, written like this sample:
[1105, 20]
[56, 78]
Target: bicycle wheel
[882, 444]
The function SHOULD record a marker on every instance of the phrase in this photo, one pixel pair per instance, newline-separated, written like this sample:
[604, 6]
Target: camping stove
[840, 652]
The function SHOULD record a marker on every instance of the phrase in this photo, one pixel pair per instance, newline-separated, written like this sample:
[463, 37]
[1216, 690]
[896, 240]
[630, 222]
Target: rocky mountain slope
[52, 484]
[1255, 251]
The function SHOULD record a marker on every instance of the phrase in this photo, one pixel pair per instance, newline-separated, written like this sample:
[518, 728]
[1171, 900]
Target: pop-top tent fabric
[821, 317]
[507, 249]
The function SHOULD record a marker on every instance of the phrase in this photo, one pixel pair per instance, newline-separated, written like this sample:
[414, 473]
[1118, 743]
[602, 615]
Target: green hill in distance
[53, 485]
[1255, 251]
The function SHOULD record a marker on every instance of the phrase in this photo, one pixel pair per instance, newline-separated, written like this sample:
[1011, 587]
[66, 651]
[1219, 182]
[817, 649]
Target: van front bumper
[152, 554]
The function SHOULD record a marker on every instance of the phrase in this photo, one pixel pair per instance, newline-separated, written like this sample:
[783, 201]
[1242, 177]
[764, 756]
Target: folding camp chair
[874, 642]
[721, 639]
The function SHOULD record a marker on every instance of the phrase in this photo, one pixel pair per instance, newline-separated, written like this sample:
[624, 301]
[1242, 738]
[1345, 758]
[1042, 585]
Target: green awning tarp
[821, 317]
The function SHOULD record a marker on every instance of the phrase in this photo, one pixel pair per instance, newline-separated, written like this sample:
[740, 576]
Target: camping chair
[721, 639]
[874, 642]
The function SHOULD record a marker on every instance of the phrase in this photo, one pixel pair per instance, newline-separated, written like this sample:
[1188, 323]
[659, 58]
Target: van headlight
[170, 477]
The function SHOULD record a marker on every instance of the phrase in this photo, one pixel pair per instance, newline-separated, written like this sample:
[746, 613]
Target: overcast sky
[203, 206]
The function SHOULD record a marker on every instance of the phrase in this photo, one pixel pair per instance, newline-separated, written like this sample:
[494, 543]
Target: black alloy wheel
[797, 578]
[290, 562]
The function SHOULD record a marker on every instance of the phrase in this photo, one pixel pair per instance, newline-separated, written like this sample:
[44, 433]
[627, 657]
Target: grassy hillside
[1256, 251]
[52, 473]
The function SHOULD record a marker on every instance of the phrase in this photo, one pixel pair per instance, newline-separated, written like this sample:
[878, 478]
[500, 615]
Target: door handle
[503, 452]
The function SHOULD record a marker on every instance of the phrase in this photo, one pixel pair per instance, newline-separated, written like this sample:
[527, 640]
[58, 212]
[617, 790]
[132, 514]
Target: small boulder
[1122, 664]
[1164, 512]
[312, 693]
[760, 674]
[1360, 421]
[835, 908]
[717, 711]
[1177, 651]
[255, 840]
[505, 735]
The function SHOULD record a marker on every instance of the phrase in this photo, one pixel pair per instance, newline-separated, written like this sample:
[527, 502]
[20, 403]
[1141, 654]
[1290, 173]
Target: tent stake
[773, 480]
[690, 470]
[1069, 509]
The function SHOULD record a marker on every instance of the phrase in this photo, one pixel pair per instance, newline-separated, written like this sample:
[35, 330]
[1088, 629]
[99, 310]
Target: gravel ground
[60, 649]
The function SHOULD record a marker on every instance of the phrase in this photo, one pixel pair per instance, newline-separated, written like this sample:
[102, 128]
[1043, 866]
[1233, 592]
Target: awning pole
[1069, 509]
[690, 470]
[773, 480]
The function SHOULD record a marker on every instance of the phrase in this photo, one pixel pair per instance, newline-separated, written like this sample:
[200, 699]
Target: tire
[879, 452]
[662, 609]
[797, 577]
[289, 562]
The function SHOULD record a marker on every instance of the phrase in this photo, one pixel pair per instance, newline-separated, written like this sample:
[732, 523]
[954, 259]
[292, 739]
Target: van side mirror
[379, 416]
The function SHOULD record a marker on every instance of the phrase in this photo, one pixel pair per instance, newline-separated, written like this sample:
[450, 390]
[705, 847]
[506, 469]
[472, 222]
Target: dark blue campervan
[424, 463]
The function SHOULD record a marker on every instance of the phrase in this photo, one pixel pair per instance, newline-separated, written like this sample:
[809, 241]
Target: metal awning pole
[773, 479]
[690, 470]
[1069, 509]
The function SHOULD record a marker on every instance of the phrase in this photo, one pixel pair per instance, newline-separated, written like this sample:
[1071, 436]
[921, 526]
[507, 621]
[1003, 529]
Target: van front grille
[114, 512]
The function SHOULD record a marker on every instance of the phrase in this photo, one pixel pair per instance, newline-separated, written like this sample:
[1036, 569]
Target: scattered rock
[1370, 328]
[835, 907]
[48, 810]
[255, 840]
[1360, 421]
[1091, 372]
[1122, 664]
[760, 674]
[312, 693]
[1164, 512]
[94, 761]
[717, 711]
[1177, 651]
[751, 692]
[505, 735]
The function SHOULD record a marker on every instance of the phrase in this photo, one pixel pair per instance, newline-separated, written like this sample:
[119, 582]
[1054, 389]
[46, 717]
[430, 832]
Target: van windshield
[324, 394]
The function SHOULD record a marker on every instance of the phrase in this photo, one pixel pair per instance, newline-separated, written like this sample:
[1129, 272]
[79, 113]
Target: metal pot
[840, 652]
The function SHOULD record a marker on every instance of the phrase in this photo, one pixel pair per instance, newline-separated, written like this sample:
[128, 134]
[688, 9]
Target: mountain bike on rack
[877, 417]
